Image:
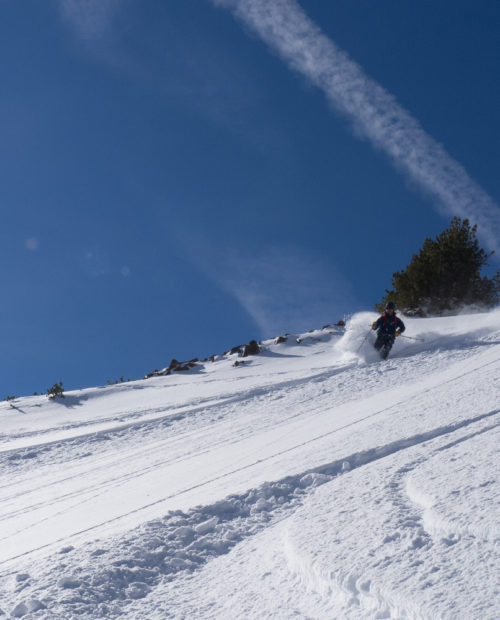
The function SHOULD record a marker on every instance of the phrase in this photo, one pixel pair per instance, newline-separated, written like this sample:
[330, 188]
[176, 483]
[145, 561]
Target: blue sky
[181, 176]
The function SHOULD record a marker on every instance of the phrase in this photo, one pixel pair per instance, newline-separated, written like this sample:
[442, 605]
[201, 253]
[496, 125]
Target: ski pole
[364, 340]
[410, 338]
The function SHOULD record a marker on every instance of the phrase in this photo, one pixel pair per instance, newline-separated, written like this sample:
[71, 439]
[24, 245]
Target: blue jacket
[387, 324]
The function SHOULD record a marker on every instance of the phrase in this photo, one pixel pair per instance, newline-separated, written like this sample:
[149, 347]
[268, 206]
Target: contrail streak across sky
[376, 114]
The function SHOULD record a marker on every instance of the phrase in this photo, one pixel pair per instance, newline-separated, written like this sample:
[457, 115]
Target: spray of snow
[356, 343]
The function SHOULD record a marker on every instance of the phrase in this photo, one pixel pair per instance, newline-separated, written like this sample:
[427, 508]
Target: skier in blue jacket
[388, 327]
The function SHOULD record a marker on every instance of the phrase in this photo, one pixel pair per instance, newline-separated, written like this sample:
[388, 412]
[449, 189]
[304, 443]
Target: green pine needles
[445, 276]
[56, 391]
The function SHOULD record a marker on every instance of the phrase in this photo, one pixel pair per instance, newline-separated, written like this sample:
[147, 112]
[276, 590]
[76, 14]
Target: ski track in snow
[184, 509]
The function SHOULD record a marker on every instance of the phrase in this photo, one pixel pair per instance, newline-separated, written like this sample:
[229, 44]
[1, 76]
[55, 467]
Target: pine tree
[445, 275]
[56, 391]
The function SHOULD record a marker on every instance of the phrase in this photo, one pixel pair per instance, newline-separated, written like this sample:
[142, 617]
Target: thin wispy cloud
[89, 18]
[282, 288]
[375, 113]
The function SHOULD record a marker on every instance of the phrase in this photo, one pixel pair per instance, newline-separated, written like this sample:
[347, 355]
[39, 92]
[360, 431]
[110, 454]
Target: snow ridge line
[160, 414]
[98, 467]
[330, 470]
[129, 566]
[174, 412]
[178, 416]
[247, 466]
[366, 457]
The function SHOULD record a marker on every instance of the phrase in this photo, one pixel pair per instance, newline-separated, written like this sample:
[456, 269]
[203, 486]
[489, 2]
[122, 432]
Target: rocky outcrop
[175, 366]
[252, 348]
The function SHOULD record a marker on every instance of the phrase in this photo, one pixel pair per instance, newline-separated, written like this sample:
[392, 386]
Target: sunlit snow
[311, 481]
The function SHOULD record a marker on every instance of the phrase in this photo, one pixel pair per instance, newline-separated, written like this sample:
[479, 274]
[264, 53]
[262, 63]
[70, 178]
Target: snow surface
[310, 481]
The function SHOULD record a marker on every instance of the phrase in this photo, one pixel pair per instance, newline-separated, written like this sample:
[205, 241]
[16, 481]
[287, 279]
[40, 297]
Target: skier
[389, 327]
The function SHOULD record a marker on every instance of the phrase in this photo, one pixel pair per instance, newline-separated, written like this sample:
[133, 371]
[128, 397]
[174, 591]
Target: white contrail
[284, 26]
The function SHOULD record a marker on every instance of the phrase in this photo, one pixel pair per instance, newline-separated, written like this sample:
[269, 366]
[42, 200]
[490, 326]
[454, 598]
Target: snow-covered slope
[310, 481]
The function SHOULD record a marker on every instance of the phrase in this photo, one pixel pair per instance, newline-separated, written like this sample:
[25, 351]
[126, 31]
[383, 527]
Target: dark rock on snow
[252, 348]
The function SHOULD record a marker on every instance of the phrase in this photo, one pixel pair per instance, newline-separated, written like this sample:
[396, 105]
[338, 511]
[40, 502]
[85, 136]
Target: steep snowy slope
[312, 481]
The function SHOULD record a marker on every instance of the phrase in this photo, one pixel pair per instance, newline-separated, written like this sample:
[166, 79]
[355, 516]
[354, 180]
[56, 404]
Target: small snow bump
[68, 582]
[418, 542]
[20, 610]
[66, 549]
[183, 532]
[207, 526]
[35, 605]
[224, 507]
[22, 577]
[137, 590]
[262, 505]
[313, 480]
[181, 564]
[391, 538]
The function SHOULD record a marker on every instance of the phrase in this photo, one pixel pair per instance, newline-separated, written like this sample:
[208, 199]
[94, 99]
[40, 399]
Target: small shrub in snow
[121, 380]
[56, 391]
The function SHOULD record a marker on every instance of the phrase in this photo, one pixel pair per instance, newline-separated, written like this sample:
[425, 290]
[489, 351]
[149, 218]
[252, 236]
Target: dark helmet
[390, 306]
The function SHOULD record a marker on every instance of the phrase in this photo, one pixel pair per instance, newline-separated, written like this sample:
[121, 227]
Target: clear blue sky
[170, 187]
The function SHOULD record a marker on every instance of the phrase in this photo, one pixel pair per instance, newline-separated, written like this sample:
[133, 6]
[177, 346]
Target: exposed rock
[280, 339]
[175, 366]
[252, 348]
[236, 349]
[340, 323]
[182, 366]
